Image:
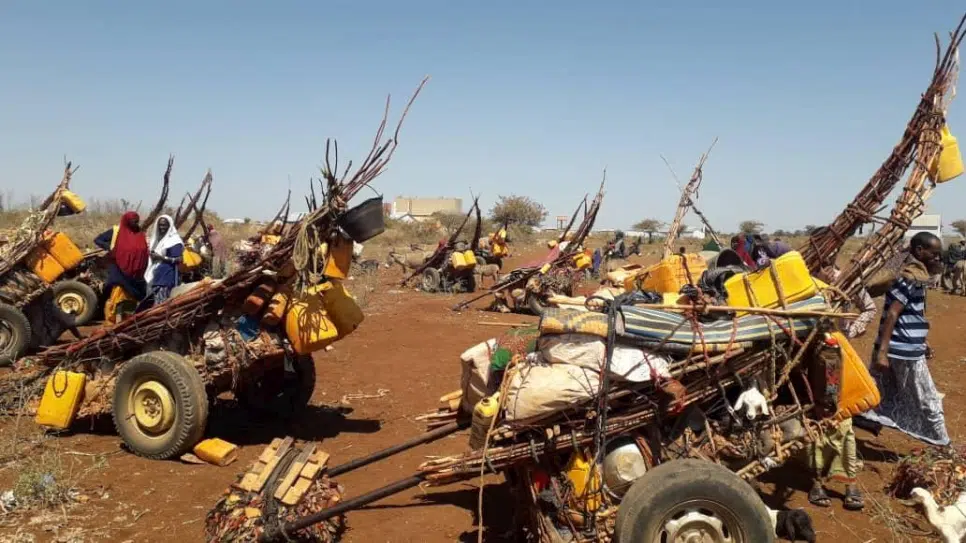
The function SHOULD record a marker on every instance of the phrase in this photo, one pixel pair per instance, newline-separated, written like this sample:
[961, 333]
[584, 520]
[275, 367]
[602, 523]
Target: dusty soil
[395, 367]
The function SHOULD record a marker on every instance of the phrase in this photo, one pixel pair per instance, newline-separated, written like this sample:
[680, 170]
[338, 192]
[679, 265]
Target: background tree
[451, 221]
[751, 227]
[649, 226]
[960, 227]
[781, 233]
[521, 210]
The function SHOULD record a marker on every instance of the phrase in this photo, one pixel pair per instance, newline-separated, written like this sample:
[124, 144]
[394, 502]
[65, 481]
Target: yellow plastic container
[339, 258]
[582, 261]
[62, 397]
[669, 275]
[341, 307]
[470, 259]
[63, 249]
[498, 249]
[216, 451]
[483, 414]
[858, 392]
[44, 265]
[307, 324]
[270, 239]
[73, 201]
[587, 485]
[189, 260]
[277, 307]
[458, 262]
[759, 289]
[949, 164]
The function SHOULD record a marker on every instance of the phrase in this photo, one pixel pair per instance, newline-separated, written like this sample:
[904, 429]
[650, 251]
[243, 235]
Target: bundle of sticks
[918, 149]
[199, 305]
[519, 277]
[32, 230]
[688, 193]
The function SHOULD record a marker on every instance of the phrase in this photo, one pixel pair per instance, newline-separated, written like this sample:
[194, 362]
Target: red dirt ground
[409, 347]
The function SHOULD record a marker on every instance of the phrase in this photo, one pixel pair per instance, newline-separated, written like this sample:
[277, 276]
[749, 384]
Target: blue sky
[526, 97]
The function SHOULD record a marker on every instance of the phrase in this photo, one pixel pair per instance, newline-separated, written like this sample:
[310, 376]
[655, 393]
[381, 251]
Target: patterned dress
[910, 401]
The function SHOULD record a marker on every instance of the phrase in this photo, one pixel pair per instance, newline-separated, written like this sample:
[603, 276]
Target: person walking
[910, 401]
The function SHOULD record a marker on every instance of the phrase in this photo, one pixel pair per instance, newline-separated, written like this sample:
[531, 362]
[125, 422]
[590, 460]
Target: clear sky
[528, 97]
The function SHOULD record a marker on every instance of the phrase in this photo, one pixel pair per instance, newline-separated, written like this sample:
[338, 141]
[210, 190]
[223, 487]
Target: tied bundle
[245, 516]
[940, 471]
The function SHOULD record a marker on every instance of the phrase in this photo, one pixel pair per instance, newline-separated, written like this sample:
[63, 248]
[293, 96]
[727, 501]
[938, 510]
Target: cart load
[252, 333]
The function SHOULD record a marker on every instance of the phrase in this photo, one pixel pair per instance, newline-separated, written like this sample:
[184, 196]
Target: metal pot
[623, 464]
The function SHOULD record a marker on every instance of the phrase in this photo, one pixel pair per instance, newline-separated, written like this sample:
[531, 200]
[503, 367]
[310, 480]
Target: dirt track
[407, 347]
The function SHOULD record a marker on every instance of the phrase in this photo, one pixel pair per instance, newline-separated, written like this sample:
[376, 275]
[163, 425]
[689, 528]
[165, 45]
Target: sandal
[818, 497]
[853, 500]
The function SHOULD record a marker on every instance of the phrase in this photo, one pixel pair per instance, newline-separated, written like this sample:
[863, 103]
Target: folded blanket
[569, 321]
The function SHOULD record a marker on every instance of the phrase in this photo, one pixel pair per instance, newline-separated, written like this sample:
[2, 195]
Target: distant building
[421, 209]
[926, 223]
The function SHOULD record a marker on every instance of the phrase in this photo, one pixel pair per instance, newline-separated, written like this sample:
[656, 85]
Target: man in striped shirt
[910, 401]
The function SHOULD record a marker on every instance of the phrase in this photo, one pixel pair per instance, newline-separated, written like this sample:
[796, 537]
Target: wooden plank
[270, 451]
[294, 471]
[312, 469]
[272, 464]
[294, 494]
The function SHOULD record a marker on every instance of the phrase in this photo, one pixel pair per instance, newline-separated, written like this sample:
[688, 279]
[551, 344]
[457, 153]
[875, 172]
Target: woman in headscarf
[166, 250]
[128, 249]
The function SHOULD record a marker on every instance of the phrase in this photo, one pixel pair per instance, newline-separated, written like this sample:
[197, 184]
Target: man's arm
[885, 334]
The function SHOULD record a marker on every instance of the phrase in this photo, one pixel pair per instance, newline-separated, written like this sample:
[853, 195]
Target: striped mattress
[652, 327]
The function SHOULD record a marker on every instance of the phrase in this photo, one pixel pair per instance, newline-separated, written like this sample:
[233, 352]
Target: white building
[926, 223]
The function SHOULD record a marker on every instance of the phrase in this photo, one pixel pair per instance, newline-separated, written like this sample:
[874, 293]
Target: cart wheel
[77, 300]
[535, 304]
[431, 280]
[160, 405]
[692, 500]
[281, 393]
[14, 334]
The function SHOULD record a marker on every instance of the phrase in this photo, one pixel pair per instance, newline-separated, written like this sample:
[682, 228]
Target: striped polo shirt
[908, 341]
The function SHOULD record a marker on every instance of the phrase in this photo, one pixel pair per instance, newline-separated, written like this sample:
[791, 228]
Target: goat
[950, 521]
[793, 525]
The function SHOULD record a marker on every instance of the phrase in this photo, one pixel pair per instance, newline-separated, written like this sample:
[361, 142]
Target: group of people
[146, 267]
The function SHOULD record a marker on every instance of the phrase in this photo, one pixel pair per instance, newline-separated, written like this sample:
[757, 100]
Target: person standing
[166, 251]
[910, 401]
[128, 248]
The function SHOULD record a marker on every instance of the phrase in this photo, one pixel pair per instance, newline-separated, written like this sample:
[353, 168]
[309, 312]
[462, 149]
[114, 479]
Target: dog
[487, 270]
[793, 525]
[950, 521]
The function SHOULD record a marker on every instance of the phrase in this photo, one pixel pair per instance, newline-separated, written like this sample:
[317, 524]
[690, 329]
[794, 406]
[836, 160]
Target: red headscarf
[131, 247]
[743, 252]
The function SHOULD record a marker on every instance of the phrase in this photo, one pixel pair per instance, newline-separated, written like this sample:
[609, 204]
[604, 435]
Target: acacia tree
[520, 210]
[449, 221]
[751, 227]
[960, 227]
[649, 226]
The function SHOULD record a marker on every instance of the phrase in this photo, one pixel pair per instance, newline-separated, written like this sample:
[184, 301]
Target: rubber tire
[535, 305]
[20, 334]
[652, 496]
[191, 401]
[431, 280]
[86, 292]
[282, 400]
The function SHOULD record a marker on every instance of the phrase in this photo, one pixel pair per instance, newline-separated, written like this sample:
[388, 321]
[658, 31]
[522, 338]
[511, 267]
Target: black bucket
[365, 221]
